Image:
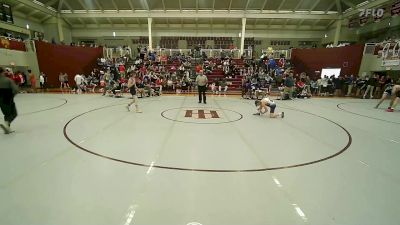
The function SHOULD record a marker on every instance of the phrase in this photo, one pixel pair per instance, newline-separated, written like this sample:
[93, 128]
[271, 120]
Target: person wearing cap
[8, 89]
[202, 82]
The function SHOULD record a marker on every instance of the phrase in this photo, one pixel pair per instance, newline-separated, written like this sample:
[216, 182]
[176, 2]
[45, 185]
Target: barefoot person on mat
[263, 106]
[133, 90]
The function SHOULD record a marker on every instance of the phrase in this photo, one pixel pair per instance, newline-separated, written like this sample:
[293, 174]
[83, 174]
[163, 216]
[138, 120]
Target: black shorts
[272, 107]
[132, 91]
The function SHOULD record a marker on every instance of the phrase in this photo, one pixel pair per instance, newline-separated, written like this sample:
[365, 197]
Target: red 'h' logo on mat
[202, 114]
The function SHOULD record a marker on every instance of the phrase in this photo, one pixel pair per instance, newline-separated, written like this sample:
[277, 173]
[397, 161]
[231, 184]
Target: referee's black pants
[202, 93]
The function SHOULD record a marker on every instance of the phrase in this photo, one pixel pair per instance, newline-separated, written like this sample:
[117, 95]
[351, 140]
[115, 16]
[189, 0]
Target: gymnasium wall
[124, 37]
[19, 58]
[23, 60]
[22, 22]
[310, 60]
[54, 59]
[346, 34]
[50, 32]
[67, 35]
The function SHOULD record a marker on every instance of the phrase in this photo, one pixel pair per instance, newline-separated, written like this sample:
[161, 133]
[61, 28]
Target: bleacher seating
[234, 83]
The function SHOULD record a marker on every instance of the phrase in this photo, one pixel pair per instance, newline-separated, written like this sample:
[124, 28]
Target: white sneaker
[138, 111]
[6, 128]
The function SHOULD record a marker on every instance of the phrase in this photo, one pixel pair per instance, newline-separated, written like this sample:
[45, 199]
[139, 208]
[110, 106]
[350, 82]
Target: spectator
[351, 81]
[338, 83]
[289, 85]
[380, 85]
[314, 87]
[65, 78]
[361, 84]
[371, 83]
[32, 80]
[300, 86]
[223, 84]
[324, 86]
[61, 80]
[79, 82]
[16, 78]
[42, 81]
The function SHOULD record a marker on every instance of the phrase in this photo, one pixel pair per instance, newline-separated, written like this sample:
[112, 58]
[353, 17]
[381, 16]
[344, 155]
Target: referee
[202, 82]
[8, 90]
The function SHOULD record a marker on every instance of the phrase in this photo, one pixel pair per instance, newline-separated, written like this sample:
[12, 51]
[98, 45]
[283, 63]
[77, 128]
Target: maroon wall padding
[54, 59]
[310, 60]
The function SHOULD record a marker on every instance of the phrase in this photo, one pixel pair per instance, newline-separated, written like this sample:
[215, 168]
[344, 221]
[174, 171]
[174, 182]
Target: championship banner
[395, 11]
[363, 20]
[12, 45]
[391, 62]
[353, 23]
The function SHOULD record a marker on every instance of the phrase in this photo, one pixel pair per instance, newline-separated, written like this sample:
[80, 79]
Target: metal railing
[391, 47]
[211, 53]
[117, 52]
[277, 53]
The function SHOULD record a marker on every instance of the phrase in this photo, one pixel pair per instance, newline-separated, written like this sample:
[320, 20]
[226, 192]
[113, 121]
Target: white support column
[149, 21]
[242, 36]
[337, 31]
[60, 28]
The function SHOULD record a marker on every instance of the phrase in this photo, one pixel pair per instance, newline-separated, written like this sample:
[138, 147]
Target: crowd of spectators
[176, 73]
[26, 81]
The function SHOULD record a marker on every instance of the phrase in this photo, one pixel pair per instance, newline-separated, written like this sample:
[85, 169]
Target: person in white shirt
[41, 80]
[263, 106]
[202, 82]
[324, 86]
[78, 81]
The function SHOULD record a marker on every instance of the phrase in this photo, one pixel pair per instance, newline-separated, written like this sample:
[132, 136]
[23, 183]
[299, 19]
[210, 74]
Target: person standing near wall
[371, 86]
[351, 82]
[61, 80]
[32, 79]
[202, 82]
[8, 89]
[65, 78]
[42, 81]
[79, 82]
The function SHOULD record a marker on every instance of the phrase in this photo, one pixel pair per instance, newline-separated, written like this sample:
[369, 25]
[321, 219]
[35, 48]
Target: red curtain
[310, 60]
[11, 44]
[72, 60]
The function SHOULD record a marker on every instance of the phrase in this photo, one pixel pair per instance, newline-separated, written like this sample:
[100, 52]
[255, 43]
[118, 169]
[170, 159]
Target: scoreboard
[5, 13]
